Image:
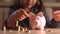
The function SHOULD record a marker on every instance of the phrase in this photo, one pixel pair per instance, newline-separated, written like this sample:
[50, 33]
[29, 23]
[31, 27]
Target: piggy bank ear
[31, 14]
[40, 14]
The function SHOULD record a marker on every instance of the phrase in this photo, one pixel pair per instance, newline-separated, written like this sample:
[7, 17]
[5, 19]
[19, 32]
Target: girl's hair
[41, 6]
[38, 7]
[16, 5]
[55, 8]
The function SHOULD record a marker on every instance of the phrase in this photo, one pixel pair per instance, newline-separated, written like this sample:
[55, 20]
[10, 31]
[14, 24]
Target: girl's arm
[17, 15]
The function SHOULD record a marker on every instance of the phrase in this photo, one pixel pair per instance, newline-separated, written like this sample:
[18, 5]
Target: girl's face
[28, 3]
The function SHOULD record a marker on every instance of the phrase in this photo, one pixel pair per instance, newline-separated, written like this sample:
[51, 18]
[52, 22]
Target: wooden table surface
[47, 31]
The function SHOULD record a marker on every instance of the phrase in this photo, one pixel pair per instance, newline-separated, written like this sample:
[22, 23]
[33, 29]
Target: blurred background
[5, 4]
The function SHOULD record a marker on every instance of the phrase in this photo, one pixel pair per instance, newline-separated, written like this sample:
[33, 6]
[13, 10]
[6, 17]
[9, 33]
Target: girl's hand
[22, 14]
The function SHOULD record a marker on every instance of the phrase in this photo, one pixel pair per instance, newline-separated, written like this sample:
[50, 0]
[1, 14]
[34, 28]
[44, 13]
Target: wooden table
[47, 31]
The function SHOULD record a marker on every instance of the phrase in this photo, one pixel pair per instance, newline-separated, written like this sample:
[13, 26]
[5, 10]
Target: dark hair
[41, 6]
[55, 8]
[38, 7]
